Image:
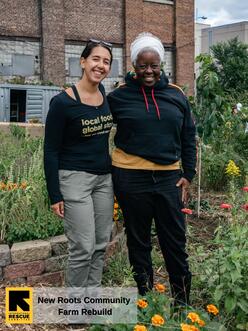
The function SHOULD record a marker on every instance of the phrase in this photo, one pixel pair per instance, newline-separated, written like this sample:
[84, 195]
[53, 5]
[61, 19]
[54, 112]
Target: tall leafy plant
[210, 103]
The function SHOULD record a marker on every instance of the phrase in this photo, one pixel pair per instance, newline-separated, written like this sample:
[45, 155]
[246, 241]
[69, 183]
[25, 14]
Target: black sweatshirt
[76, 138]
[154, 123]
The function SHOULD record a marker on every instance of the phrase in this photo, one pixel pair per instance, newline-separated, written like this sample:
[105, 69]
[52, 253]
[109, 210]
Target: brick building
[41, 40]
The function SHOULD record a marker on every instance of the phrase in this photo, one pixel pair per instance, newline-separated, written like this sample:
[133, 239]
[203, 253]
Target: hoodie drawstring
[145, 97]
[154, 100]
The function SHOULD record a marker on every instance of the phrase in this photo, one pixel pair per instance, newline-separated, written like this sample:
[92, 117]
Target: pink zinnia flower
[187, 211]
[225, 206]
[245, 188]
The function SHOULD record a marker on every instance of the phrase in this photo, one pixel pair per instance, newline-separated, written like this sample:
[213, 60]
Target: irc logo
[19, 305]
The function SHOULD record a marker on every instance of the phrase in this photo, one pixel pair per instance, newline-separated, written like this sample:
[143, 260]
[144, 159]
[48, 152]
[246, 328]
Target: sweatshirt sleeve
[54, 128]
[111, 102]
[188, 141]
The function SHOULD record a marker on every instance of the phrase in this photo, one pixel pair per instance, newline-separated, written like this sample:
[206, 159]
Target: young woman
[77, 166]
[154, 132]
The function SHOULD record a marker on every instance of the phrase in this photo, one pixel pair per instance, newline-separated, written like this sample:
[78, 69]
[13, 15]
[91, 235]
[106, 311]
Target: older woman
[154, 132]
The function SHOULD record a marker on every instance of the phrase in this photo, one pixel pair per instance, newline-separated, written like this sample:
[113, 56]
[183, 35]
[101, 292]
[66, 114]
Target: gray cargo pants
[88, 220]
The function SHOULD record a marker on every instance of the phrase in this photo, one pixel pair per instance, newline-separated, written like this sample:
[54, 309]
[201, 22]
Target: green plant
[222, 270]
[24, 207]
[119, 271]
[17, 131]
[156, 313]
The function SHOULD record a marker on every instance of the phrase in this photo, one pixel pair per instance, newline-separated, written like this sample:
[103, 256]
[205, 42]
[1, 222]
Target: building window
[166, 2]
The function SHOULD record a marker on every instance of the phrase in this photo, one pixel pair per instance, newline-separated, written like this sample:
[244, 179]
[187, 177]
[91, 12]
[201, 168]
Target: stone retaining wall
[43, 261]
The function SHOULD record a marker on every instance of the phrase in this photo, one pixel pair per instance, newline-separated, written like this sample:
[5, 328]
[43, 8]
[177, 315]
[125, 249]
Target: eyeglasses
[100, 42]
[146, 66]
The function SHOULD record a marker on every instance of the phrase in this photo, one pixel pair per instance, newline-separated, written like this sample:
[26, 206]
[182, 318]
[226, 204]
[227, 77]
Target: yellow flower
[228, 125]
[142, 303]
[139, 328]
[232, 169]
[188, 327]
[116, 206]
[115, 212]
[201, 323]
[160, 288]
[157, 320]
[193, 317]
[212, 309]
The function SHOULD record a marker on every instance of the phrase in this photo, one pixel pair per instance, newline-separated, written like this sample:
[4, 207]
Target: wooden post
[199, 180]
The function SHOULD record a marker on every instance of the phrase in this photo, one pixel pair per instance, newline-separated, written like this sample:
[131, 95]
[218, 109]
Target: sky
[220, 12]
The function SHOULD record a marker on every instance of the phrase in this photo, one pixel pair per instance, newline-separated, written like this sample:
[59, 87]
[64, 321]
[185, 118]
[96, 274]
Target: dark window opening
[18, 105]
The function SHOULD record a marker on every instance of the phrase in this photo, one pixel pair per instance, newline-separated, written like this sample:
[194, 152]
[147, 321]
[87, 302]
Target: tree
[231, 65]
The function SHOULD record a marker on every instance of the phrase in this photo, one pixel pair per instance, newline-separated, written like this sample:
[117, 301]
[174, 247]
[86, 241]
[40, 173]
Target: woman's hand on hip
[184, 183]
[58, 209]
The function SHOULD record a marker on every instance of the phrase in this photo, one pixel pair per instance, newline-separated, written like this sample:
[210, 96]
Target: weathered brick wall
[160, 20]
[53, 42]
[20, 18]
[98, 19]
[184, 37]
[117, 21]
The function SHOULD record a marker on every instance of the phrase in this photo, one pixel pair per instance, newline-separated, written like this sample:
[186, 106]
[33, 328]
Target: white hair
[146, 41]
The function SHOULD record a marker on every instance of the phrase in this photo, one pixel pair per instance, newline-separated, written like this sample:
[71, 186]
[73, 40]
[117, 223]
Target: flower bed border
[43, 261]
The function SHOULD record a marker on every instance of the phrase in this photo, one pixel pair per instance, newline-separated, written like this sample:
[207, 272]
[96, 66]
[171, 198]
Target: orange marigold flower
[201, 323]
[139, 327]
[142, 303]
[9, 186]
[160, 288]
[212, 309]
[2, 186]
[188, 327]
[245, 188]
[193, 317]
[23, 185]
[226, 206]
[14, 186]
[187, 211]
[245, 206]
[157, 320]
[116, 206]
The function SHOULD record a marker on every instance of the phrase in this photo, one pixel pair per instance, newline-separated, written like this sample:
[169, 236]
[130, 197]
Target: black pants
[143, 196]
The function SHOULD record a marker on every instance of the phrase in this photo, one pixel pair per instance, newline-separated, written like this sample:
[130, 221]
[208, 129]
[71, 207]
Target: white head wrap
[149, 41]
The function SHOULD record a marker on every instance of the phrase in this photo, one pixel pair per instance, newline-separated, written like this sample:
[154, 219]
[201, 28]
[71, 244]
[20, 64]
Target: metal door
[34, 104]
[4, 104]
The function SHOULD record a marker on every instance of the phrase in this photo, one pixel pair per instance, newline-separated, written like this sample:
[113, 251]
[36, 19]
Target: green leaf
[243, 305]
[218, 294]
[230, 303]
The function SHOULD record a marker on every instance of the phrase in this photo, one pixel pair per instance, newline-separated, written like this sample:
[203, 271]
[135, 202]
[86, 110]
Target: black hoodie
[154, 123]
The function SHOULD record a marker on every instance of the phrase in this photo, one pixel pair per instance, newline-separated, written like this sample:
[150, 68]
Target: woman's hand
[58, 209]
[184, 183]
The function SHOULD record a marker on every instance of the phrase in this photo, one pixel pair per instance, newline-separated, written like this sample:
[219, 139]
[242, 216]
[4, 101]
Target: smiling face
[97, 65]
[148, 67]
